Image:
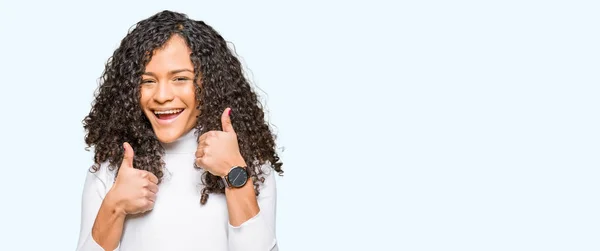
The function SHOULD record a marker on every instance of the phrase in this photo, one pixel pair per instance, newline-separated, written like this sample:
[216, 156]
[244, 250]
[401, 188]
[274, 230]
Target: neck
[187, 143]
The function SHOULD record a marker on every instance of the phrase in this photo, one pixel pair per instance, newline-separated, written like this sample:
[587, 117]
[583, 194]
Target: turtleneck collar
[187, 143]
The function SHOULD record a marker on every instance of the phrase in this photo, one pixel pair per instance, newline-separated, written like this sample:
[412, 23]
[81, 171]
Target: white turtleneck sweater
[178, 221]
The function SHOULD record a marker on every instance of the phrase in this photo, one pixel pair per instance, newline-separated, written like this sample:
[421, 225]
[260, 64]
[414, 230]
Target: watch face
[237, 177]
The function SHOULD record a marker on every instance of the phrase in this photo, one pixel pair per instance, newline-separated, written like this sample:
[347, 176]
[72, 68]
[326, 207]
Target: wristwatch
[236, 178]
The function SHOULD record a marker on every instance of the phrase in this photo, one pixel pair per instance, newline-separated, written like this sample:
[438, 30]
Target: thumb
[226, 121]
[127, 156]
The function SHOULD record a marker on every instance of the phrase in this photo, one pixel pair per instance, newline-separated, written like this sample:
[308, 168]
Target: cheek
[189, 96]
[144, 97]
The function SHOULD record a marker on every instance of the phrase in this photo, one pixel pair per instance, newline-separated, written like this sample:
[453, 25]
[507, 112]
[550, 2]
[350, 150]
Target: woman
[183, 157]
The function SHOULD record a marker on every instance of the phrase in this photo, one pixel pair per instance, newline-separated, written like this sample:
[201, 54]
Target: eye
[147, 81]
[181, 79]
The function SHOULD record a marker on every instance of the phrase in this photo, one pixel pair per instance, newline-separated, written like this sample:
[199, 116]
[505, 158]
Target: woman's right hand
[134, 190]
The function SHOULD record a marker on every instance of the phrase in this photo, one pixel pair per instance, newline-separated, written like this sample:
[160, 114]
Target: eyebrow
[173, 72]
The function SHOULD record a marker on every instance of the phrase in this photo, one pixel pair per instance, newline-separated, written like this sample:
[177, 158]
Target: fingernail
[229, 113]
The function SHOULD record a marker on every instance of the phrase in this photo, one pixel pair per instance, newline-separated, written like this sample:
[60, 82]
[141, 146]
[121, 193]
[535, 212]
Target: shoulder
[264, 170]
[265, 167]
[267, 173]
[102, 175]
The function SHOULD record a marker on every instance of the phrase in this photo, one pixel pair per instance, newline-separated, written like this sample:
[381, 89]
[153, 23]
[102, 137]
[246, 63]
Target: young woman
[184, 159]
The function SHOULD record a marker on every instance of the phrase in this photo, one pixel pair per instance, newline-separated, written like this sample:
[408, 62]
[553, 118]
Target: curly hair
[116, 115]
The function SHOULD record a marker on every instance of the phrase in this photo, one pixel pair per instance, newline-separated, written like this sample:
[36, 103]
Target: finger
[200, 152]
[204, 143]
[127, 155]
[199, 163]
[203, 137]
[147, 204]
[152, 178]
[146, 193]
[226, 121]
[152, 187]
[152, 198]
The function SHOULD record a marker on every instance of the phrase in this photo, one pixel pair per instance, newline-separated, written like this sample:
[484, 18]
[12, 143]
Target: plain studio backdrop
[412, 125]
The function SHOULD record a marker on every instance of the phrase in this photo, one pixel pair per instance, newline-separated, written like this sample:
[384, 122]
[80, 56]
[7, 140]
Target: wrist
[115, 204]
[239, 161]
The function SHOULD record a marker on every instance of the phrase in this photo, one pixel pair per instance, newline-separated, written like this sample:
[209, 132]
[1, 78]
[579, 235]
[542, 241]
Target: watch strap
[225, 181]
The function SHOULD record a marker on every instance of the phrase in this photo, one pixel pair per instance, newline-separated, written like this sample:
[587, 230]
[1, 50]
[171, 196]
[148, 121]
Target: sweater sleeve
[94, 190]
[258, 233]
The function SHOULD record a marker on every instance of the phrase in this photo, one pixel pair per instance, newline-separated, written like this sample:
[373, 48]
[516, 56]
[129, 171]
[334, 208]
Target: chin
[166, 136]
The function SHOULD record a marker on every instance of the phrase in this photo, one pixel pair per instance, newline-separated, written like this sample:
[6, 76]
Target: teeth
[168, 111]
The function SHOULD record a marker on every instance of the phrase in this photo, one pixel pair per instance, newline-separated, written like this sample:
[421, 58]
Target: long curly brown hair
[116, 115]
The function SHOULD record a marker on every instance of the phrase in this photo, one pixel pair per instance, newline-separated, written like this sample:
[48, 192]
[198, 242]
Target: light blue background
[415, 125]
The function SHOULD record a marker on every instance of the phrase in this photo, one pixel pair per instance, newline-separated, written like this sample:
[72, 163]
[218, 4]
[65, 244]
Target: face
[167, 91]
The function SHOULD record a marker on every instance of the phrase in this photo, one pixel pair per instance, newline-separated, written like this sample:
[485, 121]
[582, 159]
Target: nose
[164, 93]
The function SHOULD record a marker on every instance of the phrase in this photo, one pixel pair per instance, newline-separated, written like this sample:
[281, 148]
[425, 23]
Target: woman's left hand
[218, 151]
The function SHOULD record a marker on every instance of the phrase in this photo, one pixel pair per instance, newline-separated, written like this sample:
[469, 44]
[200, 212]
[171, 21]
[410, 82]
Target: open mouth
[168, 114]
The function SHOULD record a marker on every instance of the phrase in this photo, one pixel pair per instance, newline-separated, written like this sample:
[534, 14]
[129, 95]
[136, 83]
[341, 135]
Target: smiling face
[167, 91]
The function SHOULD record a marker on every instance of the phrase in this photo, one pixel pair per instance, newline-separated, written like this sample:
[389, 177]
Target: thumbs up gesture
[134, 190]
[218, 151]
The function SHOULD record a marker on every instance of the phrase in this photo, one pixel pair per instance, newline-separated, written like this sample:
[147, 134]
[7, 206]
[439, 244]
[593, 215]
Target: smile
[167, 116]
